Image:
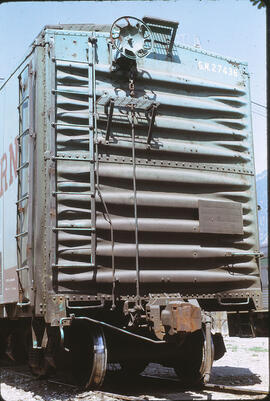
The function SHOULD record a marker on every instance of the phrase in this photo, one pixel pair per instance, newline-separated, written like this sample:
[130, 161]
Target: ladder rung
[22, 268]
[21, 234]
[24, 68]
[72, 159]
[73, 193]
[26, 164]
[71, 61]
[22, 199]
[25, 132]
[72, 125]
[70, 92]
[73, 229]
[22, 102]
[75, 266]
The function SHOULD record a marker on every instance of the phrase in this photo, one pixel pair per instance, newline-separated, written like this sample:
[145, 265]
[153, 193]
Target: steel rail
[214, 387]
[231, 389]
[85, 394]
[122, 397]
[207, 387]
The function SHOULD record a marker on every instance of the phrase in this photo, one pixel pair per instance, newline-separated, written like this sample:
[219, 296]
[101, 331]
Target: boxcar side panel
[8, 195]
[14, 106]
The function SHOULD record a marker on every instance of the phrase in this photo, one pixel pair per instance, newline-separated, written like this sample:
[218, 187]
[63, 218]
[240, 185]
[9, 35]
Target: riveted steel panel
[220, 217]
[200, 158]
[197, 162]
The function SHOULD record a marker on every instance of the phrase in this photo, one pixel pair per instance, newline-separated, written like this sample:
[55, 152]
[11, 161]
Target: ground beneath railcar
[246, 364]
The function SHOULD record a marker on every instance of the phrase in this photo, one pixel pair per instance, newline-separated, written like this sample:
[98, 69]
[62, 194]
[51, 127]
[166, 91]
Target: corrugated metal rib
[156, 174]
[213, 150]
[198, 121]
[146, 199]
[193, 113]
[213, 282]
[161, 78]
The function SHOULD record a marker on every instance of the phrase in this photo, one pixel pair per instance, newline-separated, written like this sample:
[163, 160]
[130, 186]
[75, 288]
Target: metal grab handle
[62, 333]
[21, 304]
[101, 305]
[22, 268]
[232, 303]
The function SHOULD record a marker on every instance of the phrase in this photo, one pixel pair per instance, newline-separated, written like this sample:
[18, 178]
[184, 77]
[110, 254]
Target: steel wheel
[192, 362]
[99, 363]
[88, 354]
[203, 364]
[16, 345]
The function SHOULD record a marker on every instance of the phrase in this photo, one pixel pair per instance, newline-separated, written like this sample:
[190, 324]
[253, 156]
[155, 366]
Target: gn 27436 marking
[219, 68]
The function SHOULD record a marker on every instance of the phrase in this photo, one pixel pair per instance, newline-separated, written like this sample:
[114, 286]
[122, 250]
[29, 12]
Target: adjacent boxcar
[127, 201]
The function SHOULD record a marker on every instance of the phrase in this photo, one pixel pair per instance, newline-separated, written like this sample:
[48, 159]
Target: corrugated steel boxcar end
[127, 200]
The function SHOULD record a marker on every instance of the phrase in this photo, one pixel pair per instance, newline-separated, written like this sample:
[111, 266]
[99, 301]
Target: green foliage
[259, 3]
[258, 349]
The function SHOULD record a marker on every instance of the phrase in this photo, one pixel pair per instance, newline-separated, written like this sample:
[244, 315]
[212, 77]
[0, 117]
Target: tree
[260, 3]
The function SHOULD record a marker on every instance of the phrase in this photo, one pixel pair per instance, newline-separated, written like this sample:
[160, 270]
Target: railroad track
[149, 379]
[218, 387]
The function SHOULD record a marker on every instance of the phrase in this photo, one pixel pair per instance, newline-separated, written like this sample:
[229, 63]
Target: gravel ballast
[245, 364]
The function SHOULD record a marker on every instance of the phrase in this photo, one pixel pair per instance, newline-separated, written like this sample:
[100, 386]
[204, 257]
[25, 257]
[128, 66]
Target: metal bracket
[65, 321]
[47, 155]
[152, 122]
[33, 134]
[39, 334]
[44, 340]
[56, 309]
[109, 121]
[92, 40]
[124, 102]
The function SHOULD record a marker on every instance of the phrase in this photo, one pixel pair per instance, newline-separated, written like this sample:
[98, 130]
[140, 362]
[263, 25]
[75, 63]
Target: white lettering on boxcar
[8, 167]
[218, 68]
